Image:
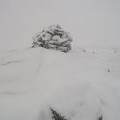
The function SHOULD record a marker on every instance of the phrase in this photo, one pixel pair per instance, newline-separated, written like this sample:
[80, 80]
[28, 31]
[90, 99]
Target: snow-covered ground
[83, 84]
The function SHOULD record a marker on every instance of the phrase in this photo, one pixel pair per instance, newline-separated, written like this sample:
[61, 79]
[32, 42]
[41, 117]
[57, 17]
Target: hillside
[81, 85]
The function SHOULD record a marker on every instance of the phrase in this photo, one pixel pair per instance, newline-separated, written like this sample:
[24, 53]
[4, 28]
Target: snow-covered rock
[53, 37]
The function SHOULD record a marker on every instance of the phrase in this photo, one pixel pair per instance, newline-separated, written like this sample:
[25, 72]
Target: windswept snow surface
[81, 84]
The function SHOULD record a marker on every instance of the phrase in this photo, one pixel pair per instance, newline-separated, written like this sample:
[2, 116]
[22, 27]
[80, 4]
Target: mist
[90, 22]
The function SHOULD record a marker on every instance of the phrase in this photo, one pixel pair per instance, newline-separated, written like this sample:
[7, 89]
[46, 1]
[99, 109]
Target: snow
[81, 85]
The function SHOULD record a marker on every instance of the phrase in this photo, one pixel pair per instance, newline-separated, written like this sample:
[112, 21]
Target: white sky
[91, 22]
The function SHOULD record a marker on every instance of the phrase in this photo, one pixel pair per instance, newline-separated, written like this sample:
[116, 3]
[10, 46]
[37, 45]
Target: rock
[53, 37]
[56, 38]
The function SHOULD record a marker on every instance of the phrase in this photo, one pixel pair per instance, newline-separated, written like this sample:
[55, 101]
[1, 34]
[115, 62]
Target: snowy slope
[81, 84]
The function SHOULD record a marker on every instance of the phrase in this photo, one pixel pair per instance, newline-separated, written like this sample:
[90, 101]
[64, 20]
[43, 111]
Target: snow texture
[83, 84]
[53, 37]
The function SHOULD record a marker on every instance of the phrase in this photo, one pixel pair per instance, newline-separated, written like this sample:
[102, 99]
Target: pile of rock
[53, 37]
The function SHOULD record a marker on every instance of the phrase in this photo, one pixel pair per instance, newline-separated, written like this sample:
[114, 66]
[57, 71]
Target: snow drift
[80, 85]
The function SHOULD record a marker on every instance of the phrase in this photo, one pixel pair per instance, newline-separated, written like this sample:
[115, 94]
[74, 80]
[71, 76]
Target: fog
[90, 22]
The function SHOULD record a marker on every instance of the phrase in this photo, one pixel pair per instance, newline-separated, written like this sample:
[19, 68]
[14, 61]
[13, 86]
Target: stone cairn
[53, 37]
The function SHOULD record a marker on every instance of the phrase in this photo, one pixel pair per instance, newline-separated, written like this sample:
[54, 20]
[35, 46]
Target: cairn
[53, 37]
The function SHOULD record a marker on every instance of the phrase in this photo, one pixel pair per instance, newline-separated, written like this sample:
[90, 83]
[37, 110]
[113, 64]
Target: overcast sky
[91, 22]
